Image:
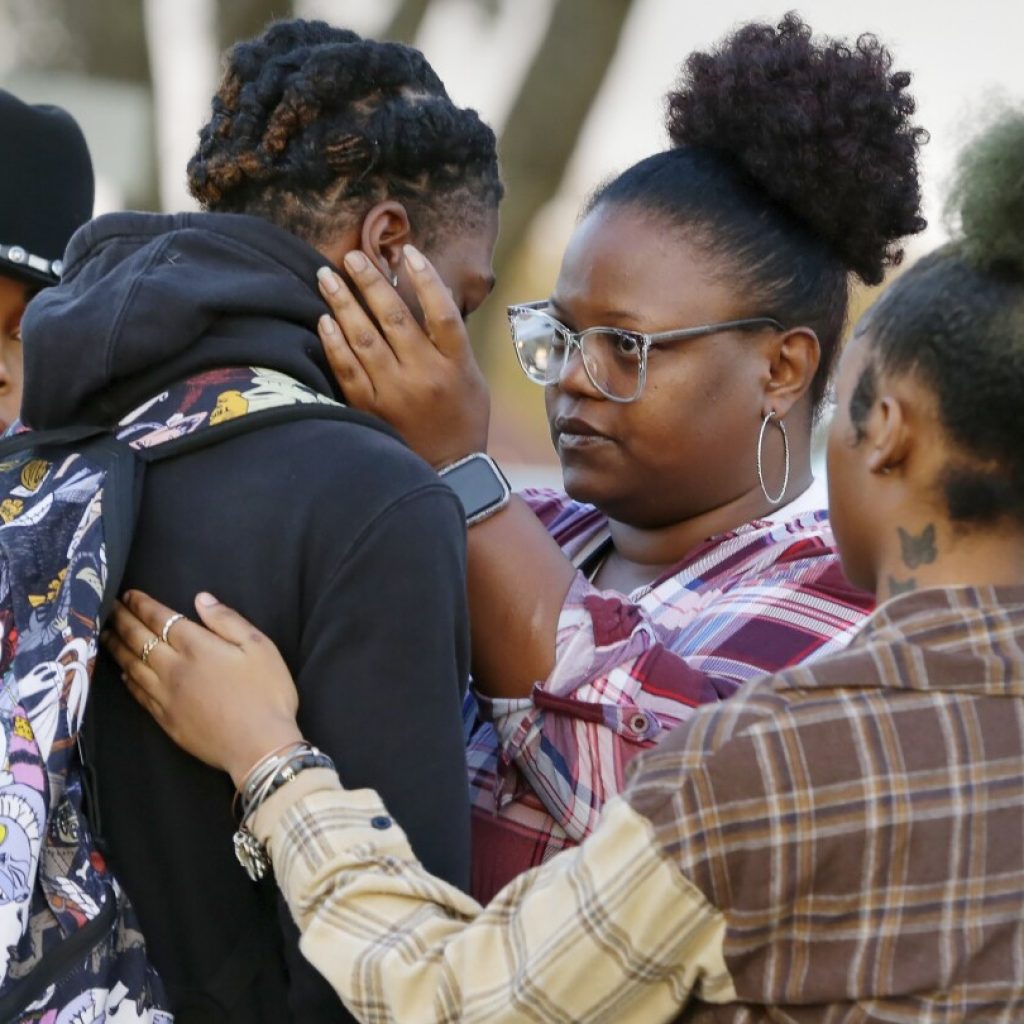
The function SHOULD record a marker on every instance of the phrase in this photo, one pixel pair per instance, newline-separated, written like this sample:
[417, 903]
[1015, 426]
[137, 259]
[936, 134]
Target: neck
[643, 553]
[936, 553]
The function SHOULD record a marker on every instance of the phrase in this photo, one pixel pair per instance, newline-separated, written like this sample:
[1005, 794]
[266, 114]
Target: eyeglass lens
[612, 360]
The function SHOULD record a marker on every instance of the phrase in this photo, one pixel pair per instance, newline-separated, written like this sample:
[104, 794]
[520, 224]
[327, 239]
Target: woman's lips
[575, 434]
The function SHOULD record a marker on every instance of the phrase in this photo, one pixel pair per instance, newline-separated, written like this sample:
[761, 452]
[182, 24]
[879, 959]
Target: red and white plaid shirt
[756, 600]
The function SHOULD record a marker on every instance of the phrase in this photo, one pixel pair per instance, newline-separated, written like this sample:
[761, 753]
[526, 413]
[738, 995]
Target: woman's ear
[794, 357]
[887, 435]
[385, 230]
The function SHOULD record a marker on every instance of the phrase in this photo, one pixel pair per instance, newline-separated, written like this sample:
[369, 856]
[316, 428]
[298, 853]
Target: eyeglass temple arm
[729, 325]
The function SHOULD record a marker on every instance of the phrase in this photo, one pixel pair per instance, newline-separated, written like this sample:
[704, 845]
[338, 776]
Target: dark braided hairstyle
[312, 125]
[794, 162]
[956, 320]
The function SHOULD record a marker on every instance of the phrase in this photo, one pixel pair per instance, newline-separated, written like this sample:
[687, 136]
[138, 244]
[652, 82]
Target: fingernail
[414, 258]
[328, 280]
[356, 261]
[206, 600]
[327, 325]
[126, 597]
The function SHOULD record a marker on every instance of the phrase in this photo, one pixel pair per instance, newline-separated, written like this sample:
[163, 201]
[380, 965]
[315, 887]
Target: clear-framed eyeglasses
[615, 360]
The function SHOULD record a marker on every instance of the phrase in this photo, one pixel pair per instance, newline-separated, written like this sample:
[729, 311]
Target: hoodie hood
[148, 299]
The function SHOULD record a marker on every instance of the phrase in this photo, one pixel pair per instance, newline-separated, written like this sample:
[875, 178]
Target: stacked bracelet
[265, 778]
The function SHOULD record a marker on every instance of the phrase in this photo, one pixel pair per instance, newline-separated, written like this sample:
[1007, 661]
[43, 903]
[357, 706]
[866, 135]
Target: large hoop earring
[760, 461]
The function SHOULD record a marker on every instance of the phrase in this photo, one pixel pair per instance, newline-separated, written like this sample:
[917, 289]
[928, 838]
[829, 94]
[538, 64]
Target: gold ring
[149, 648]
[169, 624]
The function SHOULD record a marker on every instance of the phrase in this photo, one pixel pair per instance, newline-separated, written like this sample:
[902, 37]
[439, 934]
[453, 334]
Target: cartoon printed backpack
[70, 945]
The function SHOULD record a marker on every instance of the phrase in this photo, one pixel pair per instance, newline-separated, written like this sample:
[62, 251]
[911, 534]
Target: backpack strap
[208, 436]
[26, 440]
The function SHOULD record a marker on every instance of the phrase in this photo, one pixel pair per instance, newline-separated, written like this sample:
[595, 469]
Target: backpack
[70, 945]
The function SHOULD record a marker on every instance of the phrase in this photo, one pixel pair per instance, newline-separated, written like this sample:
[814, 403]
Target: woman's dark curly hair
[956, 320]
[313, 123]
[794, 160]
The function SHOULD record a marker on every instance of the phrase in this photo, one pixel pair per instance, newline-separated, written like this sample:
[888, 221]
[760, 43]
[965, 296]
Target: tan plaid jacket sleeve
[610, 931]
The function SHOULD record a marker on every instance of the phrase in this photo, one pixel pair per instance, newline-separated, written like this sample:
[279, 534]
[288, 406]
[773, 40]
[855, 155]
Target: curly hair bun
[822, 127]
[987, 199]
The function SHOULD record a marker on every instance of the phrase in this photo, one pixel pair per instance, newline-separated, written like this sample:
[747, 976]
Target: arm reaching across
[578, 939]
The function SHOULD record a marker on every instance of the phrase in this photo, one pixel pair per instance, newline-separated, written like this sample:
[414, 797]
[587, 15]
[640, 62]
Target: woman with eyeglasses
[684, 354]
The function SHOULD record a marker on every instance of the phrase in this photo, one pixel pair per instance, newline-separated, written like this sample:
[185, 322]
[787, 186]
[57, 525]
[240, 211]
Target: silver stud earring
[391, 275]
[760, 463]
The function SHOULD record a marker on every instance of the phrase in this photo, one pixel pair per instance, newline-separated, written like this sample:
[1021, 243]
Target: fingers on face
[359, 332]
[443, 319]
[400, 328]
[354, 381]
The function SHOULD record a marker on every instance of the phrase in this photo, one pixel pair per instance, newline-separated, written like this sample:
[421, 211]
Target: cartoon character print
[149, 435]
[271, 388]
[236, 393]
[57, 610]
[52, 879]
[22, 816]
[53, 693]
[100, 1006]
[230, 405]
[10, 509]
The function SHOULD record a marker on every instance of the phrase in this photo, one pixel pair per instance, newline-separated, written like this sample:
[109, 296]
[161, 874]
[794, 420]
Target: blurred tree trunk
[244, 19]
[406, 21]
[545, 124]
[551, 109]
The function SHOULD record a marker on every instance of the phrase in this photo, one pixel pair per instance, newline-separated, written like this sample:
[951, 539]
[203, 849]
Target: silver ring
[149, 648]
[176, 617]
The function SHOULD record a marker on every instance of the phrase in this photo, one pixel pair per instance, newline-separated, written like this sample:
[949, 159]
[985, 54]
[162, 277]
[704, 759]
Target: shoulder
[347, 458]
[324, 481]
[775, 734]
[570, 523]
[795, 554]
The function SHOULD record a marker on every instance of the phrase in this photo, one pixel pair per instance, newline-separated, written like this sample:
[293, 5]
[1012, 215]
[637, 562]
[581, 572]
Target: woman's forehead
[624, 265]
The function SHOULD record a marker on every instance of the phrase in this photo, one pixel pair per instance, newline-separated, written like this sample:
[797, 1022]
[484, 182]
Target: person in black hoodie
[336, 540]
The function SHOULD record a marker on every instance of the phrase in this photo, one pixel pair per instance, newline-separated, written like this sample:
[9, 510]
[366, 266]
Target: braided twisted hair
[312, 125]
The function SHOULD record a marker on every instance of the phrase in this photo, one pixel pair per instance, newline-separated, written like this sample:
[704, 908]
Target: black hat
[46, 188]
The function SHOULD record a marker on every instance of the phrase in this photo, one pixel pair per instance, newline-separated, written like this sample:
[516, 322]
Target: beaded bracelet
[263, 780]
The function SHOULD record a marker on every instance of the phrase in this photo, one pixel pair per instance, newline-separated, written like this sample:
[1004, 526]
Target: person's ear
[793, 357]
[384, 231]
[887, 435]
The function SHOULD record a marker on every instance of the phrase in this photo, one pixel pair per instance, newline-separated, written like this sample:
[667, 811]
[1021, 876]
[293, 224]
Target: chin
[578, 487]
[618, 506]
[587, 488]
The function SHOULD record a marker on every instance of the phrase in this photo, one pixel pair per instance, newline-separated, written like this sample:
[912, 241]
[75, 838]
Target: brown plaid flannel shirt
[842, 843]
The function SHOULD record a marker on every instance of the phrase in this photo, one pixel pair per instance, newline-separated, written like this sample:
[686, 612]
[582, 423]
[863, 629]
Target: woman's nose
[573, 376]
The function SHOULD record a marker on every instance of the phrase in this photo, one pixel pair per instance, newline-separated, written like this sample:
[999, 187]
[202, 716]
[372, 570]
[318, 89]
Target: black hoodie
[332, 538]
